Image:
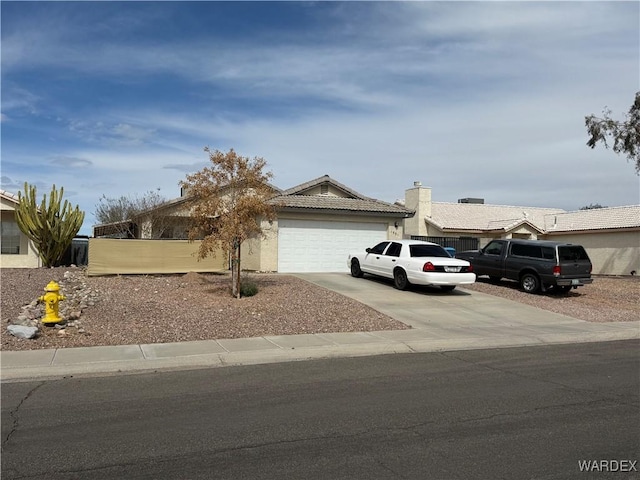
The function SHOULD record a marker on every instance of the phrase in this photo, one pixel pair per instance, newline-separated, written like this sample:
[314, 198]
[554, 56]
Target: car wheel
[530, 283]
[447, 288]
[400, 280]
[355, 269]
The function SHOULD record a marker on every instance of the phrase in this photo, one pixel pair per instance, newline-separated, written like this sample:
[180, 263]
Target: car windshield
[428, 251]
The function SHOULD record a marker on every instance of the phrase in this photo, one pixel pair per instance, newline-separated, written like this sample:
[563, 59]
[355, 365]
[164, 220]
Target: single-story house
[320, 221]
[16, 250]
[318, 224]
[610, 235]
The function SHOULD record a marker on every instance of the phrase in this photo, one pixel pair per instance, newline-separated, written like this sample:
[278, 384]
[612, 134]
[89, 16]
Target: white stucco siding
[323, 245]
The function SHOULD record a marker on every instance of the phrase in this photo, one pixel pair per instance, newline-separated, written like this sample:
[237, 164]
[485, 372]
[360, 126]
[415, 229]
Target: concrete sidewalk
[459, 321]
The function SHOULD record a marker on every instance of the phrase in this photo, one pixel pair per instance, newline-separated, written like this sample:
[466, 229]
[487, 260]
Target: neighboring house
[169, 221]
[17, 251]
[610, 235]
[471, 217]
[318, 223]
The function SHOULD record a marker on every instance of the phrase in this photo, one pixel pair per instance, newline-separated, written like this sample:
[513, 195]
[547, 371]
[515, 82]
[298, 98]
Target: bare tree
[625, 134]
[124, 213]
[229, 199]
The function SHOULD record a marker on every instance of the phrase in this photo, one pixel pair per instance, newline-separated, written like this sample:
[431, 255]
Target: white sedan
[412, 261]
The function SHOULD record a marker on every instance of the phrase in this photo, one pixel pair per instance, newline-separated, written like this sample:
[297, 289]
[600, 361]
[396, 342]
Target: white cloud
[70, 162]
[479, 99]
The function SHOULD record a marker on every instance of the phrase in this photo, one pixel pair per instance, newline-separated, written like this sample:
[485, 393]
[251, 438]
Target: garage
[323, 246]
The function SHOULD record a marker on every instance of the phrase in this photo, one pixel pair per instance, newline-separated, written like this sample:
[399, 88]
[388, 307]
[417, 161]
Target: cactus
[50, 227]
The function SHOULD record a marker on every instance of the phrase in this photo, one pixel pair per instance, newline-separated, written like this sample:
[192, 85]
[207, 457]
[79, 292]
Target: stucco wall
[522, 232]
[255, 254]
[331, 191]
[611, 253]
[418, 199]
[28, 257]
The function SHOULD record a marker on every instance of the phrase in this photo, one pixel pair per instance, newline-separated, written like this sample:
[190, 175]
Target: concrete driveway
[465, 314]
[460, 320]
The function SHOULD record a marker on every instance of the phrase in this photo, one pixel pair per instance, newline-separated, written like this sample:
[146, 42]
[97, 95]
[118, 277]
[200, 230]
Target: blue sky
[474, 99]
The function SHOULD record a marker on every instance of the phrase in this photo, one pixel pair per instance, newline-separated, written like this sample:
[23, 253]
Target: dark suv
[536, 264]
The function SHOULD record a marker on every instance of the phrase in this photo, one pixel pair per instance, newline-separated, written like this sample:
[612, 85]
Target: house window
[10, 238]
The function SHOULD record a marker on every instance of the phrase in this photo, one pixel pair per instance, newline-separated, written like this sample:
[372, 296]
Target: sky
[473, 99]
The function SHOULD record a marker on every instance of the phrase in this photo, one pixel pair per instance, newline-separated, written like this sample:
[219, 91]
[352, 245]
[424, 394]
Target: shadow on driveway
[420, 289]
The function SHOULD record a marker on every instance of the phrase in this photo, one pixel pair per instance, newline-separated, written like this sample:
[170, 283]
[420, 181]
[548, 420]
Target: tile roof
[327, 202]
[325, 179]
[594, 219]
[352, 201]
[476, 216]
[294, 198]
[9, 196]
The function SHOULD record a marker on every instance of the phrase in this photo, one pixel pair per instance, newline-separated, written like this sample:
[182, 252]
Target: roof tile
[339, 204]
[480, 216]
[594, 219]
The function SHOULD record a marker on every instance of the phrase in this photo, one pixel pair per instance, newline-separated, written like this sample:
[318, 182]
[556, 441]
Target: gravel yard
[607, 299]
[172, 308]
[137, 309]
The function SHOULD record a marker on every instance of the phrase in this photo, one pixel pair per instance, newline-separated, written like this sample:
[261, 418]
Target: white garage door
[314, 246]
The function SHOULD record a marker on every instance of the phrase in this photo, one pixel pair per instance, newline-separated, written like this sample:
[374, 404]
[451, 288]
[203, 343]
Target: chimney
[417, 198]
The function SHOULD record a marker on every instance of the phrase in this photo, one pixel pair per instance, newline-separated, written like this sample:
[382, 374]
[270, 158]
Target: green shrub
[248, 288]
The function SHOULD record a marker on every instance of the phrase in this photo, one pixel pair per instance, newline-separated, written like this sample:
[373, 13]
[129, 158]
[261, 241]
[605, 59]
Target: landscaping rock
[77, 297]
[22, 331]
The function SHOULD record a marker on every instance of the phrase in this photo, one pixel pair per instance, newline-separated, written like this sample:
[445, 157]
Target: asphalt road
[491, 414]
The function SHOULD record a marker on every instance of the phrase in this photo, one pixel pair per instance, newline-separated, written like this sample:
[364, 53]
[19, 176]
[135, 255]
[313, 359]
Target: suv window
[494, 248]
[549, 253]
[379, 248]
[394, 250]
[571, 253]
[524, 250]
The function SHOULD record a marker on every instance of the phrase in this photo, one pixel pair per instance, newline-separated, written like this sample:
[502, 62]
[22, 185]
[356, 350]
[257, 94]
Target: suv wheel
[530, 282]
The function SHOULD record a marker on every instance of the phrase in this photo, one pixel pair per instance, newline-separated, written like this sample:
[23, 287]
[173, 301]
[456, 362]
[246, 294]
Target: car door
[371, 262]
[389, 259]
[490, 261]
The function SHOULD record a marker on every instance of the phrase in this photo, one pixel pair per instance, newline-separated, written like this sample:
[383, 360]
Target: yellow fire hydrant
[51, 298]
